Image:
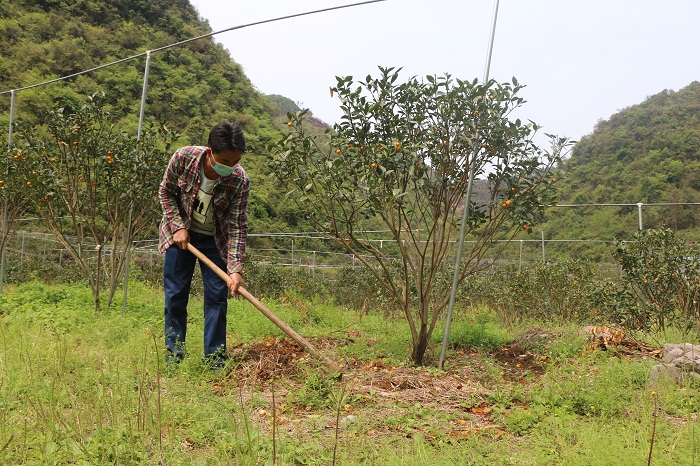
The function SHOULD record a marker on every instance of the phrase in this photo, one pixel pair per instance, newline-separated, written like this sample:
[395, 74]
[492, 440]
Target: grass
[79, 387]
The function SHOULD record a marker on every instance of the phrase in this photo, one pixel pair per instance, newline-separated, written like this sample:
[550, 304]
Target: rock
[680, 361]
[662, 372]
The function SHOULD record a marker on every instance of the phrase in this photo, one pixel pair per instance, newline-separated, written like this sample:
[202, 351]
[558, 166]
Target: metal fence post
[639, 213]
[144, 92]
[520, 261]
[544, 261]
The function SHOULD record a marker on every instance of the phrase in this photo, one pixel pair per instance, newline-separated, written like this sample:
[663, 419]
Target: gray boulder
[680, 361]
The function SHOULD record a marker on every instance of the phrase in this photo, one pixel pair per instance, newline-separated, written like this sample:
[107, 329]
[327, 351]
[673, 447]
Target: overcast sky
[582, 61]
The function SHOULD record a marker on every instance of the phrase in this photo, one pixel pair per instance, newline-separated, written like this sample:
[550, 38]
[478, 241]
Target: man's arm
[238, 230]
[168, 194]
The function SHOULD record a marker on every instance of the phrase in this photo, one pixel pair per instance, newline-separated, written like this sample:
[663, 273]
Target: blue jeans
[177, 279]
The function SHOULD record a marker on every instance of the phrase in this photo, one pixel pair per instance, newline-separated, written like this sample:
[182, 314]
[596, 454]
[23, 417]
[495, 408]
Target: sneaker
[173, 359]
[215, 364]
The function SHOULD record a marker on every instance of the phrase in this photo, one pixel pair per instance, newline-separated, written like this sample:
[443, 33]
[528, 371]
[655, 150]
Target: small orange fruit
[289, 123]
[374, 165]
[525, 226]
[337, 151]
[507, 202]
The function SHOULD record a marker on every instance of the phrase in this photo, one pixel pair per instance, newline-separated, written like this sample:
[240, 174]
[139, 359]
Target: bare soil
[376, 394]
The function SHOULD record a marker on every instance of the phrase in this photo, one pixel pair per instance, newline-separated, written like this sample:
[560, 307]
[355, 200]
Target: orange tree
[663, 272]
[13, 201]
[400, 158]
[84, 177]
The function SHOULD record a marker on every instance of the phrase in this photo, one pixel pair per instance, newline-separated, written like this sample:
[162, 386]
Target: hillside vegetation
[190, 87]
[648, 153]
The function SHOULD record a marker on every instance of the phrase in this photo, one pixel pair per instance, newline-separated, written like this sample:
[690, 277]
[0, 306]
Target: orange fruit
[374, 165]
[507, 202]
[289, 123]
[337, 151]
[525, 226]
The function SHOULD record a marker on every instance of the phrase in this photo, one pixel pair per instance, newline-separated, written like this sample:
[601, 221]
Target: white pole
[467, 202]
[520, 262]
[543, 258]
[639, 213]
[144, 91]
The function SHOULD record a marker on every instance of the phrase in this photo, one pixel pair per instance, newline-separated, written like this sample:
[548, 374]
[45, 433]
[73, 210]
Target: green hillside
[190, 87]
[648, 153]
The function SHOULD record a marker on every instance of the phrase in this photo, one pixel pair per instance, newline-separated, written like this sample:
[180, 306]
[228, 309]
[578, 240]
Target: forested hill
[647, 153]
[190, 87]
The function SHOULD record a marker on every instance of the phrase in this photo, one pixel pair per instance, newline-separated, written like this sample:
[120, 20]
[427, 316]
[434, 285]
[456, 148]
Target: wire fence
[313, 253]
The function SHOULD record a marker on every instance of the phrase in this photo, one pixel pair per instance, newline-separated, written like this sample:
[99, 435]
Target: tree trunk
[420, 345]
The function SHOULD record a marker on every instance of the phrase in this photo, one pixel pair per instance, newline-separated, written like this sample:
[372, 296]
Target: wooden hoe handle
[266, 312]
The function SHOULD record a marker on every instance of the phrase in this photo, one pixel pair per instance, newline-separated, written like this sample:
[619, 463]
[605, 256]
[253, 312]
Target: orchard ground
[92, 388]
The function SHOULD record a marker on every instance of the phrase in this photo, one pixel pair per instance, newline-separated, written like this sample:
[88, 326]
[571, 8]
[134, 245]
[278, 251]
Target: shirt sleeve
[239, 229]
[168, 192]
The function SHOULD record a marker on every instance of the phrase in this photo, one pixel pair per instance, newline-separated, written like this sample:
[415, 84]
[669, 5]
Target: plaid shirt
[177, 194]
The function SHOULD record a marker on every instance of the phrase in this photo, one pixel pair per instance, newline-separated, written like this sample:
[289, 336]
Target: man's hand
[235, 282]
[182, 238]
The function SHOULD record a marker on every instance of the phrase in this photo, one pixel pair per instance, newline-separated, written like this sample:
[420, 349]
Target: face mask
[220, 168]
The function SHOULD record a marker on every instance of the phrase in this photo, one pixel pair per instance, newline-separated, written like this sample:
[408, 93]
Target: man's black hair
[226, 136]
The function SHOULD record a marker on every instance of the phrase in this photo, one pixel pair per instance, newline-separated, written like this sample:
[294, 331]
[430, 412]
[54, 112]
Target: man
[204, 195]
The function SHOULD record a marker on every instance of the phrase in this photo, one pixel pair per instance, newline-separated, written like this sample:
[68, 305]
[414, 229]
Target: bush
[662, 272]
[560, 291]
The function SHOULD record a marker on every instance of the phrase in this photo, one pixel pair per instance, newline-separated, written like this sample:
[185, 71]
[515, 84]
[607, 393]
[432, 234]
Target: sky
[582, 61]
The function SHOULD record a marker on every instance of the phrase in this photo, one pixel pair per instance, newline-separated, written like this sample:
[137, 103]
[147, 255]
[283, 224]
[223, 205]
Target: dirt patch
[261, 361]
[517, 362]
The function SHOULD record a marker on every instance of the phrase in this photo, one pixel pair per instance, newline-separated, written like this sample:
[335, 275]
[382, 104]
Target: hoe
[331, 365]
